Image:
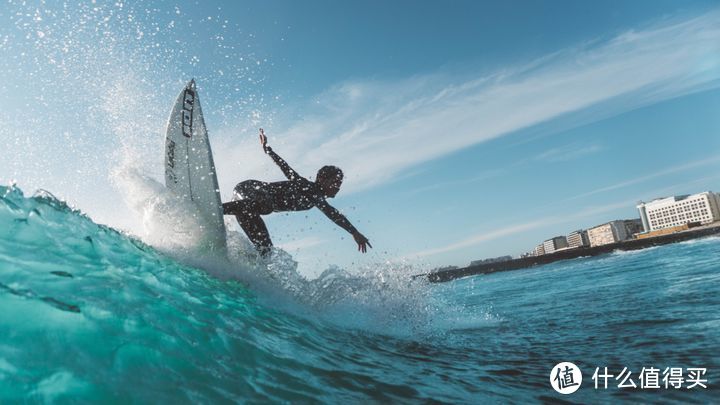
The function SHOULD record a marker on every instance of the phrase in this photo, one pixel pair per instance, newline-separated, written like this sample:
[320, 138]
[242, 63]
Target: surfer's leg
[250, 196]
[250, 200]
[233, 207]
[255, 229]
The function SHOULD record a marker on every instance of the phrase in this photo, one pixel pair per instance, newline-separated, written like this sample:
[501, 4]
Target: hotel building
[678, 210]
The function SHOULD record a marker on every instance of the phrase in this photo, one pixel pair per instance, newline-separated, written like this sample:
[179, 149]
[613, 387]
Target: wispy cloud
[685, 185]
[481, 237]
[378, 129]
[477, 178]
[568, 152]
[641, 179]
[514, 229]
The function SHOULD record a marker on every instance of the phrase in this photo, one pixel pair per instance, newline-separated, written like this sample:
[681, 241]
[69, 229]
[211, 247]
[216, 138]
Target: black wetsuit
[253, 198]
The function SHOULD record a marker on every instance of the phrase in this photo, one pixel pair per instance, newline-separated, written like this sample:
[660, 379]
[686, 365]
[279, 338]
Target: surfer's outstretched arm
[286, 169]
[339, 219]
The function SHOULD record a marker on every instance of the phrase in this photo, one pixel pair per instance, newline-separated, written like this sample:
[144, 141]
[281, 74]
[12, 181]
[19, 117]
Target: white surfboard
[189, 168]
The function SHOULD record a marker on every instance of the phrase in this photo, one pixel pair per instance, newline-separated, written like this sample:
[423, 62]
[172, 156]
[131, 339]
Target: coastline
[532, 261]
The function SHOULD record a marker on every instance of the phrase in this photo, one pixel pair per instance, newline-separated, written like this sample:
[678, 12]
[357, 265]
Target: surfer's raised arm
[286, 169]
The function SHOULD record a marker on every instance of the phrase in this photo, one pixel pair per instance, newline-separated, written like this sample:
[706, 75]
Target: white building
[554, 244]
[578, 238]
[679, 210]
[539, 250]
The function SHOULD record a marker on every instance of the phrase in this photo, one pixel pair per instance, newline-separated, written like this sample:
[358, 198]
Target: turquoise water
[88, 314]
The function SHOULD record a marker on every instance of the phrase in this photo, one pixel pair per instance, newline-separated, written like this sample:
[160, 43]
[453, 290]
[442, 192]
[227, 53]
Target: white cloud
[488, 174]
[375, 130]
[481, 237]
[568, 152]
[641, 179]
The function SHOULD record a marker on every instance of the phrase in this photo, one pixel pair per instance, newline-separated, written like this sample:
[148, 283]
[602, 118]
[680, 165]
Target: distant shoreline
[532, 261]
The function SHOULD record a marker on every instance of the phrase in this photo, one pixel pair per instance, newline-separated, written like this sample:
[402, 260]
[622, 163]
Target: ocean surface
[89, 314]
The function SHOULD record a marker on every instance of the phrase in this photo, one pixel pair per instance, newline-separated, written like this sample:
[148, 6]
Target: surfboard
[189, 168]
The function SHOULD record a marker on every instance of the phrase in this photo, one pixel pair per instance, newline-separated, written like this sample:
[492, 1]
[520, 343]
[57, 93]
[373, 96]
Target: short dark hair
[328, 172]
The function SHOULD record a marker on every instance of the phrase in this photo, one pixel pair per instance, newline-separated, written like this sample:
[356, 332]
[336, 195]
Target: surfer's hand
[362, 241]
[263, 140]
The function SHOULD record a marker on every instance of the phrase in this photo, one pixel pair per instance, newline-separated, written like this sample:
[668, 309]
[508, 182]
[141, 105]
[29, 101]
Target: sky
[465, 129]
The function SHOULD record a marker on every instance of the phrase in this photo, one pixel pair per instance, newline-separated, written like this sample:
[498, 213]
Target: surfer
[253, 198]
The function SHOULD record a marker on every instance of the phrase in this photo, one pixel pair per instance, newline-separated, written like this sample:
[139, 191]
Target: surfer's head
[329, 178]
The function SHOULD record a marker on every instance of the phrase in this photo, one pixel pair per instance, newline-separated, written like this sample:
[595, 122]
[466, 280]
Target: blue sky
[465, 129]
